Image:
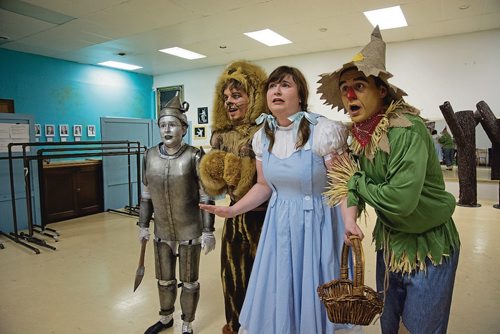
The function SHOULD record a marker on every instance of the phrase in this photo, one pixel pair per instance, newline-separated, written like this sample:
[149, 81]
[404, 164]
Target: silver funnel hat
[176, 109]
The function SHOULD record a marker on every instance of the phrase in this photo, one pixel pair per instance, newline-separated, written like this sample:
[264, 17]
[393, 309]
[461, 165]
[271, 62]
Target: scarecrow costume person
[397, 173]
[229, 168]
[173, 191]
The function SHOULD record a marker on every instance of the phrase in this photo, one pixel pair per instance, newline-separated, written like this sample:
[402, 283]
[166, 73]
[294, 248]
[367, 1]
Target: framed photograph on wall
[90, 130]
[203, 115]
[50, 130]
[38, 130]
[63, 130]
[200, 132]
[77, 130]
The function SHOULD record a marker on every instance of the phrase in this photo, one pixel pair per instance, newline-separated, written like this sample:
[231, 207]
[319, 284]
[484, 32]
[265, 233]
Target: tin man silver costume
[172, 190]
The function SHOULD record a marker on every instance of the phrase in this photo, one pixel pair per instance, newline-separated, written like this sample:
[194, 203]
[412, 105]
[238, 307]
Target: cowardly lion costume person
[229, 168]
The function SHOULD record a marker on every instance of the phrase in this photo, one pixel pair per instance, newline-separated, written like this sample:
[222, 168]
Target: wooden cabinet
[71, 190]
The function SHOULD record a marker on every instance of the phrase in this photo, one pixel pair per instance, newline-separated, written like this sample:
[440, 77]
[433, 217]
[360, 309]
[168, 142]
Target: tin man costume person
[172, 189]
[399, 175]
[229, 168]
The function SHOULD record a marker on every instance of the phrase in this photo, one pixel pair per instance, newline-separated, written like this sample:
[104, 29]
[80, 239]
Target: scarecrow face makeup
[360, 95]
[236, 103]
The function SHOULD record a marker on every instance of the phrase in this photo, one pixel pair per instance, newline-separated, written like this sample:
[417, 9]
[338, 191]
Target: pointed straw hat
[371, 61]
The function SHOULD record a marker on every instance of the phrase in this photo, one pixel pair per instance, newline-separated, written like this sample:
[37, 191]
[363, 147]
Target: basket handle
[358, 259]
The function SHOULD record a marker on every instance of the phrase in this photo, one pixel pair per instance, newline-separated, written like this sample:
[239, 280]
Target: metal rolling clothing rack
[65, 150]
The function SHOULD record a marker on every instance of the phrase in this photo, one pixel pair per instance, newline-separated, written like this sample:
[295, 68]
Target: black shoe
[159, 326]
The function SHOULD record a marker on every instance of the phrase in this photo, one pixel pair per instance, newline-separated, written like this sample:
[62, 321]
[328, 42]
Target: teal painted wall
[61, 92]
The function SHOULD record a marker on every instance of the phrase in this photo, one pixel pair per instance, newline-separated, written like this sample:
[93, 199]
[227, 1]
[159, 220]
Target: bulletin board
[13, 133]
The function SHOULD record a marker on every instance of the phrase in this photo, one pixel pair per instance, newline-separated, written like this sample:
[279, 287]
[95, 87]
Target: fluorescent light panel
[183, 53]
[122, 66]
[268, 37]
[387, 18]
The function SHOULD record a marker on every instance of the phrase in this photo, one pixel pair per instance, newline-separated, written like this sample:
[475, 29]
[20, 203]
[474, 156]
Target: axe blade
[139, 274]
[138, 277]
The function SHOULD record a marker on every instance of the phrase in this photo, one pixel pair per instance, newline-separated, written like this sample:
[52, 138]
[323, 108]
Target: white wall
[463, 69]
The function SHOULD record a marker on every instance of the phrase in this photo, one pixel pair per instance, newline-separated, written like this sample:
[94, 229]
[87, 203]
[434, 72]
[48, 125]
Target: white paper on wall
[13, 133]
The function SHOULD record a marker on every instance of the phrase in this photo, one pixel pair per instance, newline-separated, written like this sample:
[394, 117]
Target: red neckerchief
[363, 131]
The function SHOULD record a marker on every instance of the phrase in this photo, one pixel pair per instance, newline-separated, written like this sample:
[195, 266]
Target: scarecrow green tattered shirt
[405, 186]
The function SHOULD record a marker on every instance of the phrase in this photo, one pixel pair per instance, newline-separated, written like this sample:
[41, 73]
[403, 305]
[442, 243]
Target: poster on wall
[49, 130]
[38, 132]
[13, 133]
[90, 130]
[77, 130]
[63, 130]
[199, 132]
[203, 115]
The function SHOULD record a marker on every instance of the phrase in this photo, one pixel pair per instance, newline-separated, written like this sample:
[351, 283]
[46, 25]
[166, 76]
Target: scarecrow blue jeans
[421, 299]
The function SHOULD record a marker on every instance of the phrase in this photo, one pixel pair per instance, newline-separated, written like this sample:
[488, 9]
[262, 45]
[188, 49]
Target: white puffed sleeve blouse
[329, 136]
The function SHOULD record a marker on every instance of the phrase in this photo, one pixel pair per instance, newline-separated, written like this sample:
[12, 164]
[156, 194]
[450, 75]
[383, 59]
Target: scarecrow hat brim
[371, 61]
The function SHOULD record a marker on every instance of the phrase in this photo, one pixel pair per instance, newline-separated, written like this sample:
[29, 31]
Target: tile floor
[85, 286]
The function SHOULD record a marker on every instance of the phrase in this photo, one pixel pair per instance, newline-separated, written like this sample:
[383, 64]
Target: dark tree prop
[462, 125]
[491, 126]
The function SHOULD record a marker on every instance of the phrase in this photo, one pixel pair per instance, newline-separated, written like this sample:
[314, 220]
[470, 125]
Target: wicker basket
[347, 301]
